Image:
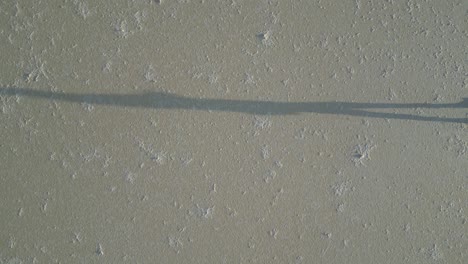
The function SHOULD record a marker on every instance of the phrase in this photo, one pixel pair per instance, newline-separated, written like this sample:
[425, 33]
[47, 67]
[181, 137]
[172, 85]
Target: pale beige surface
[103, 178]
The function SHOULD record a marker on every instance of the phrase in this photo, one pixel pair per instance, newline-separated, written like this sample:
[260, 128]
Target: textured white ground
[113, 175]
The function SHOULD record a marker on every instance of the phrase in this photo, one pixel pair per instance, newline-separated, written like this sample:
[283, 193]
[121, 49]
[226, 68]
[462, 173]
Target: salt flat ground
[233, 131]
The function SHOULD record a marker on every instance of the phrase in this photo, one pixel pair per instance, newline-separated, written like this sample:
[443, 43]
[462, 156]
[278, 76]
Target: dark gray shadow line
[160, 100]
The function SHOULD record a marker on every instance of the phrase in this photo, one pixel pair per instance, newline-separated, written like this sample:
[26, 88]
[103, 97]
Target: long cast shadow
[160, 100]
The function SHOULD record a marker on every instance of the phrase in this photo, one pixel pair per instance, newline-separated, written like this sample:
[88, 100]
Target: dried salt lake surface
[233, 132]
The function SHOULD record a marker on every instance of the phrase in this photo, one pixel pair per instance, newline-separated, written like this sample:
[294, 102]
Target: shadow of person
[162, 100]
